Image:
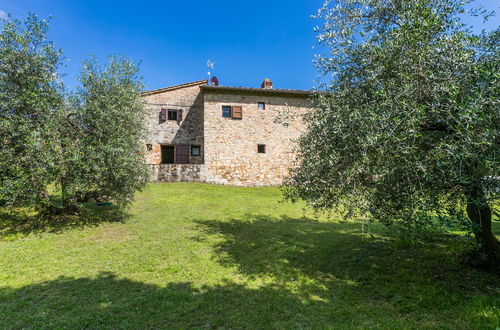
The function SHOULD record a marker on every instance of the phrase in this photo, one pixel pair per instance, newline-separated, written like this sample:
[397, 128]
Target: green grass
[204, 256]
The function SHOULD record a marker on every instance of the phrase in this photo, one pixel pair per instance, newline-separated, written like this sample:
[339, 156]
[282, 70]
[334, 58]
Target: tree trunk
[480, 215]
[69, 206]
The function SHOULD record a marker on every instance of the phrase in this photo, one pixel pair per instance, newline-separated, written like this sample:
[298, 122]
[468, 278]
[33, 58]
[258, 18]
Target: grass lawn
[204, 256]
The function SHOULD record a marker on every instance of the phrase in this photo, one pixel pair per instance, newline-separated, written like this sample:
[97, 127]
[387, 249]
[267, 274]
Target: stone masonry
[228, 147]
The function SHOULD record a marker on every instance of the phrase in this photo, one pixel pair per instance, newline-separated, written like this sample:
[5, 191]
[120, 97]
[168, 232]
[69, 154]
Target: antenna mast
[211, 66]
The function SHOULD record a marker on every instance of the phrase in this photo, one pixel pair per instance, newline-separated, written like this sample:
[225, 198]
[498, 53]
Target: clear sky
[247, 40]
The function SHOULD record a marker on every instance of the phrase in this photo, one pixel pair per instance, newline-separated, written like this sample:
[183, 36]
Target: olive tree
[86, 145]
[30, 104]
[104, 133]
[407, 126]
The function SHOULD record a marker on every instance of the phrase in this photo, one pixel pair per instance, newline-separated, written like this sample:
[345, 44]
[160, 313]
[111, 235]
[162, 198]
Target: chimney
[214, 81]
[267, 84]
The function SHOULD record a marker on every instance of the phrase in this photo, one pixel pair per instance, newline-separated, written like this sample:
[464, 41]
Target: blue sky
[248, 40]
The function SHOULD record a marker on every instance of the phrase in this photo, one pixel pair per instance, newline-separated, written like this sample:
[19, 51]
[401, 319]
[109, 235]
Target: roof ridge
[166, 89]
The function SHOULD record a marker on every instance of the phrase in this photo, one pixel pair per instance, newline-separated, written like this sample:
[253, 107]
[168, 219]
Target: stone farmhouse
[223, 135]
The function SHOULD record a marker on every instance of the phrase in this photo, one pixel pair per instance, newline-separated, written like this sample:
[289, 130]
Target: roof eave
[246, 90]
[171, 88]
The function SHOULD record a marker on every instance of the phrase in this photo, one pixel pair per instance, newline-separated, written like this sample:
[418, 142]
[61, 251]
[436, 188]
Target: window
[172, 114]
[261, 148]
[149, 147]
[175, 154]
[167, 154]
[261, 105]
[195, 150]
[234, 112]
[226, 111]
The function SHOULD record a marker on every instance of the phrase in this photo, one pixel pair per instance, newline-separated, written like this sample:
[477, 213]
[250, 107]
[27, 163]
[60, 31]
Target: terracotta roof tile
[253, 90]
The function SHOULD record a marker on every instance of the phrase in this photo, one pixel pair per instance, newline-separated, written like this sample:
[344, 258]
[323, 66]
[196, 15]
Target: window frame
[196, 146]
[172, 111]
[225, 107]
[263, 104]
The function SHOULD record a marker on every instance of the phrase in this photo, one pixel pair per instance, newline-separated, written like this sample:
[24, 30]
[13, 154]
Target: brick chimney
[267, 84]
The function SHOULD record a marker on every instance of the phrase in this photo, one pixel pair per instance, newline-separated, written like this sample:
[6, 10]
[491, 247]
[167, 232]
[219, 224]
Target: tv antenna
[211, 66]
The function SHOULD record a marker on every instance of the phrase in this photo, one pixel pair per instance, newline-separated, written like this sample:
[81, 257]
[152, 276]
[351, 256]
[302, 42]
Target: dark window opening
[149, 147]
[167, 154]
[195, 150]
[226, 111]
[261, 148]
[261, 105]
[172, 114]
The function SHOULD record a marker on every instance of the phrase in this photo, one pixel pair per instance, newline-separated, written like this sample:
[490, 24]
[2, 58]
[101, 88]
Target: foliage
[30, 102]
[407, 130]
[236, 258]
[87, 145]
[103, 155]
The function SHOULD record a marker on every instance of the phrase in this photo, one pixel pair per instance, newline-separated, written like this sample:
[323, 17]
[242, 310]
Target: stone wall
[188, 131]
[178, 172]
[230, 145]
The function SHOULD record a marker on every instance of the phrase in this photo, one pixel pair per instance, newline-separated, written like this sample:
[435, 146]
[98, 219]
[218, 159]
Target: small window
[172, 114]
[261, 105]
[149, 147]
[261, 148]
[226, 111]
[195, 150]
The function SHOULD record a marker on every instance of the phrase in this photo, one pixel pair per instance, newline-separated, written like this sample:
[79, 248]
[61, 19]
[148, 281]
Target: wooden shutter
[237, 112]
[181, 154]
[179, 115]
[163, 114]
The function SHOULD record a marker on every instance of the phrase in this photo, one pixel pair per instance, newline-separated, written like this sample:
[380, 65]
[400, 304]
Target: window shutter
[237, 112]
[163, 114]
[182, 154]
[179, 115]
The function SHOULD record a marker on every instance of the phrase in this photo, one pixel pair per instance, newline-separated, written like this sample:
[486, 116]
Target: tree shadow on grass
[338, 262]
[308, 274]
[20, 222]
[110, 302]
